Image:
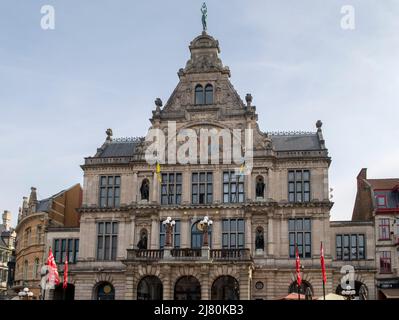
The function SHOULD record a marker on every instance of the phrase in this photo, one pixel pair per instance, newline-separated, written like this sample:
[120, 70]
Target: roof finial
[318, 125]
[204, 11]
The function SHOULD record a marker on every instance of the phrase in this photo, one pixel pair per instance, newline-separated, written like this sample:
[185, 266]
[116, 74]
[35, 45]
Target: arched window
[104, 291]
[305, 287]
[149, 288]
[225, 288]
[187, 288]
[199, 94]
[36, 268]
[197, 236]
[208, 94]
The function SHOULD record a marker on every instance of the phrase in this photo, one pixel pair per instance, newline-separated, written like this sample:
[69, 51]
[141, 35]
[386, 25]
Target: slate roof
[295, 142]
[115, 149]
[387, 184]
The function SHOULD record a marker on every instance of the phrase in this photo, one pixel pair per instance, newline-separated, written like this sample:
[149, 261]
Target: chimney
[7, 220]
[32, 200]
[360, 177]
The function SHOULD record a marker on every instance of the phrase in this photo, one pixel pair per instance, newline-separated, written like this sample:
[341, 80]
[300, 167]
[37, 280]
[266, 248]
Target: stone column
[121, 249]
[155, 189]
[185, 232]
[245, 283]
[186, 186]
[249, 187]
[154, 232]
[130, 293]
[270, 237]
[217, 186]
[248, 231]
[217, 233]
[167, 284]
[205, 283]
[132, 232]
[135, 188]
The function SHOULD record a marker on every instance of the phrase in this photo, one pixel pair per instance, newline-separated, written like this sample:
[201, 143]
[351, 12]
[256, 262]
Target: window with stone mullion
[107, 240]
[201, 187]
[299, 234]
[171, 188]
[233, 187]
[299, 185]
[110, 191]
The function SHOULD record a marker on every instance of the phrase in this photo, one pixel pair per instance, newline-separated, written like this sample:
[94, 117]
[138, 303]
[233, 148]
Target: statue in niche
[259, 241]
[145, 190]
[142, 244]
[260, 187]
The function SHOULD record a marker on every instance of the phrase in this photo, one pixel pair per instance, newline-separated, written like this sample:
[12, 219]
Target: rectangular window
[39, 234]
[233, 233]
[385, 262]
[381, 201]
[107, 240]
[175, 235]
[171, 188]
[300, 235]
[57, 254]
[201, 187]
[110, 191]
[298, 185]
[63, 250]
[76, 251]
[384, 232]
[233, 187]
[350, 246]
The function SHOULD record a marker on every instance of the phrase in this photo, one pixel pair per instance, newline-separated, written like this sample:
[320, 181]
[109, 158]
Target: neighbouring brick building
[34, 219]
[7, 242]
[377, 202]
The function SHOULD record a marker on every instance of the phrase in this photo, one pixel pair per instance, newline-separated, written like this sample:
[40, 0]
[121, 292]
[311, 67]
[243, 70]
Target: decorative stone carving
[142, 244]
[145, 190]
[259, 240]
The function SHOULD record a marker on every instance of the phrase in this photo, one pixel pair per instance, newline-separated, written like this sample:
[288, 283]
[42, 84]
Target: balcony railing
[230, 254]
[137, 254]
[190, 254]
[186, 253]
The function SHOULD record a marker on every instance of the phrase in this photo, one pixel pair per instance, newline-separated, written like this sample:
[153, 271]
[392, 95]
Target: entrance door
[187, 288]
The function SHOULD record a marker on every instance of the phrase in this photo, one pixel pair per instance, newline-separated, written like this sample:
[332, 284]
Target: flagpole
[324, 291]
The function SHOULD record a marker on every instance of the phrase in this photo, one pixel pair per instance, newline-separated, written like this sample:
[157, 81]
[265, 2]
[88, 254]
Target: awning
[390, 293]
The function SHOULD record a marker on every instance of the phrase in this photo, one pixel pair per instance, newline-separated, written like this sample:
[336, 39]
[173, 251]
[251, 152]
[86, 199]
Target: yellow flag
[158, 172]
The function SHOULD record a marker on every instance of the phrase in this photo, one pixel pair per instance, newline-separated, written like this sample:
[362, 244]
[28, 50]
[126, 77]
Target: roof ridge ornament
[204, 11]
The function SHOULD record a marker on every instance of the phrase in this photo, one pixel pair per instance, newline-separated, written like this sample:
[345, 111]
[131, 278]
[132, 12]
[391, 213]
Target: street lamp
[25, 294]
[203, 226]
[169, 224]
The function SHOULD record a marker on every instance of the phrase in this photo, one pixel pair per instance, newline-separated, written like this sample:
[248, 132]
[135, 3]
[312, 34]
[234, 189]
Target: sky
[106, 61]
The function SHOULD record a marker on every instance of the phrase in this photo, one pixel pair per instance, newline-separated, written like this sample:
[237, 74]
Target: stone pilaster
[154, 232]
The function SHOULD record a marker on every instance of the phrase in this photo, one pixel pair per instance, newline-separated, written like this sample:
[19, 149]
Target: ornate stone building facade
[34, 219]
[258, 217]
[7, 243]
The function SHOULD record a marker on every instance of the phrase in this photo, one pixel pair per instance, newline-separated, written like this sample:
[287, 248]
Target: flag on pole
[298, 267]
[158, 171]
[65, 284]
[323, 265]
[53, 278]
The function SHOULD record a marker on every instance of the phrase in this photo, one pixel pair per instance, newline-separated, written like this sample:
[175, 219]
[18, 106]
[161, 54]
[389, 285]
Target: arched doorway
[64, 294]
[197, 236]
[225, 288]
[304, 289]
[150, 288]
[104, 291]
[360, 289]
[187, 288]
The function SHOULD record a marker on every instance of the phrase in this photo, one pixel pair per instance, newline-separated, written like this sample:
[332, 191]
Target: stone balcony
[204, 254]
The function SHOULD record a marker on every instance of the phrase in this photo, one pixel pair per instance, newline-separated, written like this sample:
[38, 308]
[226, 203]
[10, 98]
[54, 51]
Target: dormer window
[199, 94]
[203, 96]
[381, 201]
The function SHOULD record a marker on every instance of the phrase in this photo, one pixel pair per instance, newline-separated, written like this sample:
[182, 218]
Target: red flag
[323, 266]
[65, 284]
[298, 267]
[53, 272]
